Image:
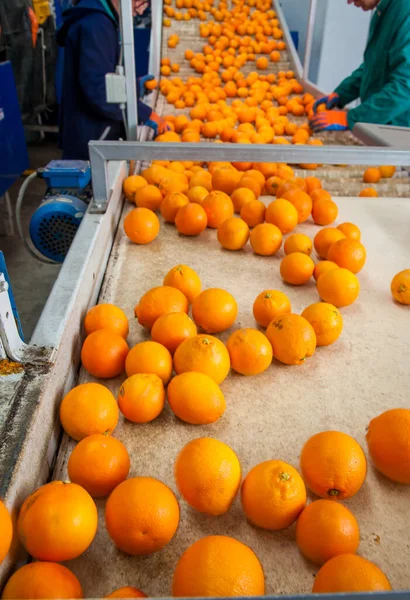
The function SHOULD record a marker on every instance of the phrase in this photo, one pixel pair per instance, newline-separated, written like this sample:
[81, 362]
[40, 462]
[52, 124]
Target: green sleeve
[349, 89]
[394, 99]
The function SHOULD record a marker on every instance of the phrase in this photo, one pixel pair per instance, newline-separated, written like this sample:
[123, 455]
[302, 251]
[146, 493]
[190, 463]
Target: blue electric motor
[55, 223]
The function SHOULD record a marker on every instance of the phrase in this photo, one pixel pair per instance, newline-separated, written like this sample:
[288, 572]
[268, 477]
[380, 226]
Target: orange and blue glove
[330, 120]
[142, 90]
[331, 101]
[157, 123]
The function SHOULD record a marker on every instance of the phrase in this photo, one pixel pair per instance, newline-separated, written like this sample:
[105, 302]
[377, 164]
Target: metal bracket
[10, 341]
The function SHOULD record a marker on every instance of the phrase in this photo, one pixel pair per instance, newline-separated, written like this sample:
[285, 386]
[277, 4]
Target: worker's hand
[158, 124]
[142, 90]
[330, 120]
[331, 101]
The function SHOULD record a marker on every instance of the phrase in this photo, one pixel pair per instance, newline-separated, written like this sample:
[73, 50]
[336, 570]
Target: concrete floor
[31, 280]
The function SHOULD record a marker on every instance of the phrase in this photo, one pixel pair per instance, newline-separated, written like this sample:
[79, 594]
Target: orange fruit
[218, 566]
[172, 329]
[6, 527]
[326, 320]
[141, 397]
[268, 305]
[225, 179]
[160, 301]
[323, 267]
[57, 522]
[301, 201]
[141, 516]
[240, 197]
[250, 183]
[203, 353]
[339, 287]
[312, 184]
[256, 174]
[324, 212]
[103, 353]
[218, 207]
[191, 219]
[131, 185]
[214, 310]
[154, 174]
[87, 409]
[333, 465]
[262, 63]
[266, 239]
[98, 463]
[148, 196]
[400, 287]
[285, 187]
[45, 580]
[233, 234]
[283, 214]
[348, 254]
[387, 172]
[267, 169]
[388, 440]
[368, 192]
[349, 573]
[208, 475]
[197, 194]
[273, 495]
[325, 238]
[350, 230]
[127, 592]
[253, 213]
[171, 204]
[141, 226]
[250, 351]
[201, 178]
[106, 316]
[319, 194]
[298, 242]
[297, 268]
[326, 529]
[293, 339]
[372, 175]
[149, 357]
[186, 280]
[195, 398]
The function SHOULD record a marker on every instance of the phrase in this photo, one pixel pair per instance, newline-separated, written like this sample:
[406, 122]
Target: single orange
[201, 178]
[250, 351]
[57, 522]
[154, 174]
[191, 219]
[195, 398]
[273, 495]
[322, 267]
[368, 192]
[6, 527]
[131, 185]
[312, 184]
[340, 287]
[172, 329]
[325, 238]
[160, 301]
[141, 397]
[186, 280]
[266, 239]
[388, 440]
[283, 214]
[141, 226]
[293, 339]
[250, 183]
[297, 268]
[233, 234]
[253, 213]
[87, 409]
[46, 580]
[225, 179]
[348, 254]
[372, 175]
[171, 205]
[333, 465]
[218, 566]
[301, 201]
[148, 196]
[98, 463]
[197, 194]
[103, 353]
[326, 320]
[203, 353]
[350, 573]
[127, 592]
[286, 186]
[218, 207]
[240, 197]
[149, 357]
[106, 316]
[400, 287]
[320, 194]
[214, 310]
[208, 475]
[387, 171]
[351, 231]
[141, 516]
[268, 305]
[298, 242]
[324, 212]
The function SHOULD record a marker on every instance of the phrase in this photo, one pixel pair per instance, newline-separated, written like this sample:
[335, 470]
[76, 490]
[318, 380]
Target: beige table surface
[271, 416]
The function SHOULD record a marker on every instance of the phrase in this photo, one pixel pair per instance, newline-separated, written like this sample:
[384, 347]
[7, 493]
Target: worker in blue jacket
[382, 82]
[90, 37]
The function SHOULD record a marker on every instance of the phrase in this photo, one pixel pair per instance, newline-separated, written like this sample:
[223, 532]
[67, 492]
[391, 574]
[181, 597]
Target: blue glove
[158, 124]
[142, 90]
[330, 120]
[330, 101]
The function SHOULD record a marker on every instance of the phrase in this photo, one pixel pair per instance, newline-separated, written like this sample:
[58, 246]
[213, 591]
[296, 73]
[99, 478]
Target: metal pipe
[309, 38]
[293, 53]
[156, 38]
[129, 67]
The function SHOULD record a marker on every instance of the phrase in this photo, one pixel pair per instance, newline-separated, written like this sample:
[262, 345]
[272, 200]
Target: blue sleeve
[98, 47]
[349, 89]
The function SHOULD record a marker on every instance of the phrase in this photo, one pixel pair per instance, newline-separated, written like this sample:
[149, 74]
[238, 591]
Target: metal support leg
[129, 66]
[8, 220]
[309, 38]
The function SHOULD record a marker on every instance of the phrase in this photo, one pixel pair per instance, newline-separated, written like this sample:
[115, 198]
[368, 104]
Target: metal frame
[127, 42]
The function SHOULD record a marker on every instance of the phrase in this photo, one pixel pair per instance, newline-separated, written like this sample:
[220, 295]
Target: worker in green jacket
[382, 82]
